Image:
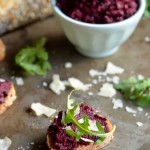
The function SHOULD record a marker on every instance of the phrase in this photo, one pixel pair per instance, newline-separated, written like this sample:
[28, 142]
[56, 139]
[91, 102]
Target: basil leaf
[135, 90]
[34, 59]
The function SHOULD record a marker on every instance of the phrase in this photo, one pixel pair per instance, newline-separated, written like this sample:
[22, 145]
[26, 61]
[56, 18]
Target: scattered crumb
[68, 65]
[147, 39]
[107, 90]
[94, 81]
[139, 124]
[45, 84]
[134, 115]
[32, 143]
[19, 81]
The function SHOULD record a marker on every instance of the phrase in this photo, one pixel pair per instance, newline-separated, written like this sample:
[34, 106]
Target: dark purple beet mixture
[98, 11]
[4, 89]
[62, 141]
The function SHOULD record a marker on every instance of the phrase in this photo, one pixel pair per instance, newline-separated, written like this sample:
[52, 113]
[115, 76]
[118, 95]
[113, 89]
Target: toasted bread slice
[9, 99]
[90, 146]
[2, 50]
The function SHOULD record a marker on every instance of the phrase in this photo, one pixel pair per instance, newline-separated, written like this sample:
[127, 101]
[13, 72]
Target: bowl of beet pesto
[97, 28]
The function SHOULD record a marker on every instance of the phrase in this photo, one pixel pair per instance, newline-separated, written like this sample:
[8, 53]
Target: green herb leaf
[135, 90]
[147, 10]
[82, 127]
[34, 59]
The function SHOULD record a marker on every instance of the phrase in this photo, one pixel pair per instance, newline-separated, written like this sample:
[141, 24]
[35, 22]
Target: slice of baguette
[90, 146]
[2, 50]
[11, 97]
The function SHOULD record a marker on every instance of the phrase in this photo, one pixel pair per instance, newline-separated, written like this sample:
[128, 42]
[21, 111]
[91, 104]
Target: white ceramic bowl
[98, 40]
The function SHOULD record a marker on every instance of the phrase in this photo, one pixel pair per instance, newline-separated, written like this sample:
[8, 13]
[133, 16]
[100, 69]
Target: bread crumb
[68, 65]
[19, 81]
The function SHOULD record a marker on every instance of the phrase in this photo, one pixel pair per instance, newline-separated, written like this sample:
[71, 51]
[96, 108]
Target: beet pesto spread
[57, 129]
[98, 11]
[4, 89]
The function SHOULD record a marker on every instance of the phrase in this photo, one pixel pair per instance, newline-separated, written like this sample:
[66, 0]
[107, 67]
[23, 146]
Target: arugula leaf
[82, 127]
[135, 90]
[34, 59]
[147, 10]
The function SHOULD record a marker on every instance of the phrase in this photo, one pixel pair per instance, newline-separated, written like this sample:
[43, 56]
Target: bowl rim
[138, 14]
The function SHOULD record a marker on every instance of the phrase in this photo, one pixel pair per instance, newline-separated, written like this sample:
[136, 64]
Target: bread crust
[2, 50]
[91, 146]
[11, 97]
[5, 6]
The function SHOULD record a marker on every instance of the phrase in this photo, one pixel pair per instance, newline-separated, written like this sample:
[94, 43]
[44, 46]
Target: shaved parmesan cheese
[77, 111]
[113, 69]
[57, 85]
[5, 143]
[94, 73]
[81, 120]
[40, 109]
[107, 90]
[114, 79]
[117, 103]
[78, 85]
[139, 124]
[68, 128]
[92, 125]
[68, 65]
[87, 140]
[19, 81]
[130, 110]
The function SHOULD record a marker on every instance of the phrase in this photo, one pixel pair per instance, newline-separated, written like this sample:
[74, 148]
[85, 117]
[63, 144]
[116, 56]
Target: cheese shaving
[77, 84]
[40, 109]
[5, 143]
[113, 69]
[87, 140]
[107, 90]
[130, 110]
[117, 103]
[57, 85]
[92, 125]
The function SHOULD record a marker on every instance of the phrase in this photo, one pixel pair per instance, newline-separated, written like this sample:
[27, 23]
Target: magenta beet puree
[57, 132]
[4, 89]
[98, 11]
